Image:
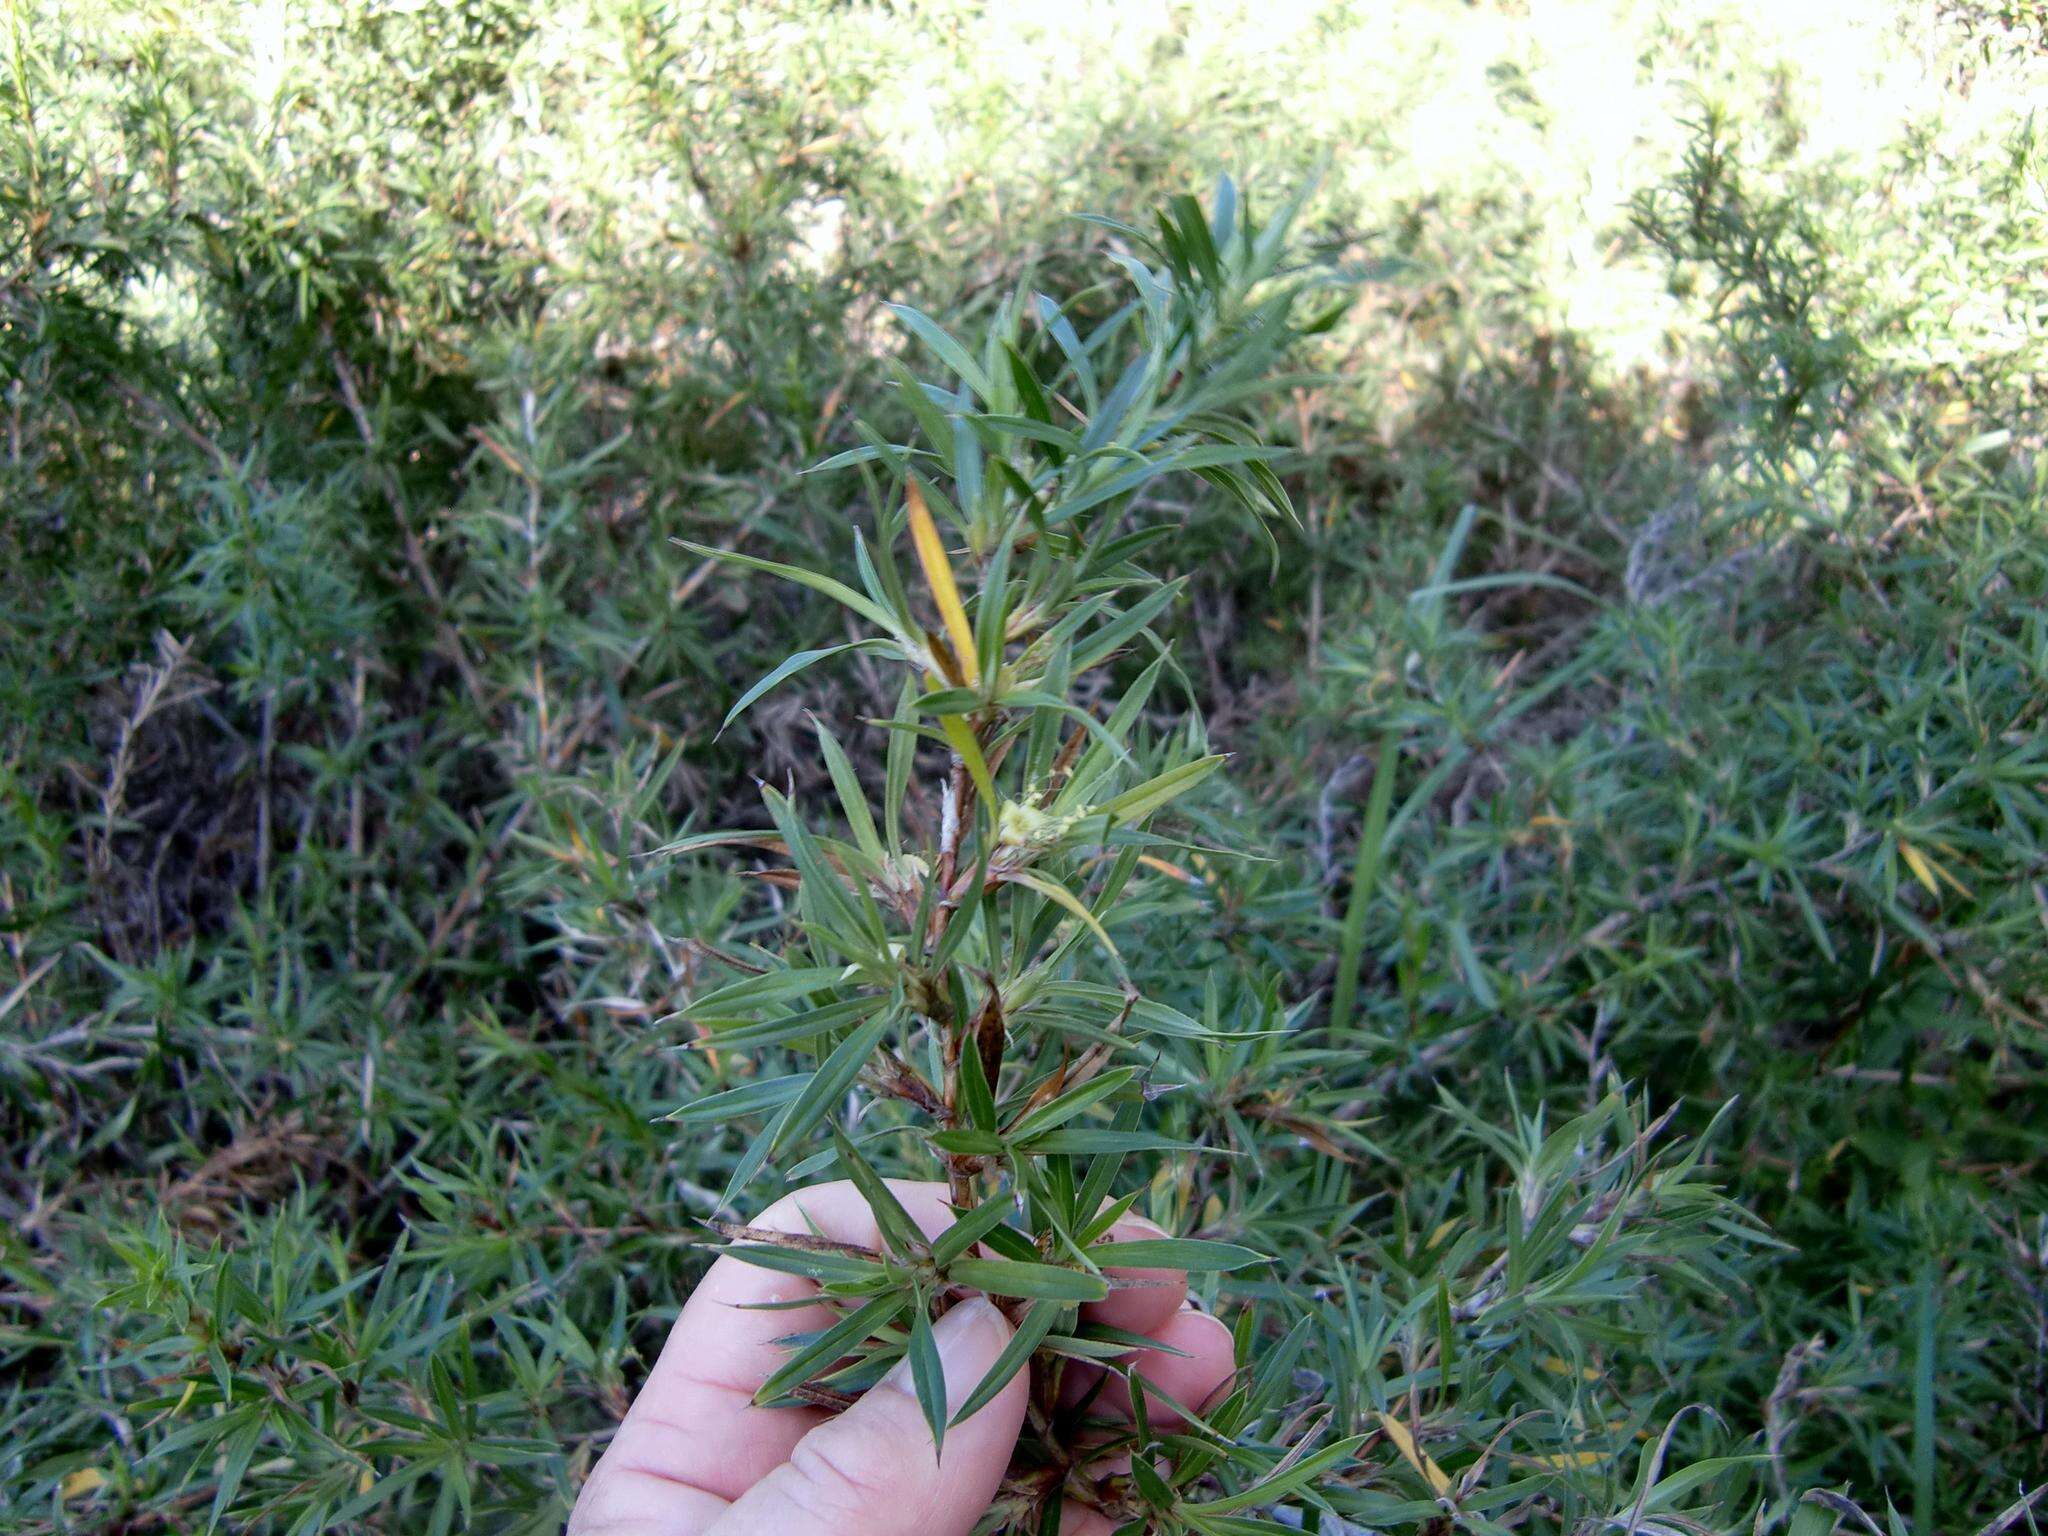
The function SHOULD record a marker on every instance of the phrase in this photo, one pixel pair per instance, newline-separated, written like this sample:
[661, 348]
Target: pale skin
[695, 1457]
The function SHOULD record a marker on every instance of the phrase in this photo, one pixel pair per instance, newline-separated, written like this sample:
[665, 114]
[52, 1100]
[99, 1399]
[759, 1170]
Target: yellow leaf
[1166, 867]
[1442, 1232]
[84, 1481]
[1941, 869]
[1566, 1460]
[1053, 891]
[1925, 869]
[1917, 862]
[938, 575]
[1418, 1458]
[1558, 1367]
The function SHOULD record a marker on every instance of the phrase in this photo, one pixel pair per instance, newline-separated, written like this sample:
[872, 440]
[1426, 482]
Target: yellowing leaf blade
[1416, 1456]
[1054, 892]
[1923, 871]
[938, 575]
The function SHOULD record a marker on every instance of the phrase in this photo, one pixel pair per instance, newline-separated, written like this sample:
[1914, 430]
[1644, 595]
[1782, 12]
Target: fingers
[872, 1471]
[1156, 1295]
[693, 1439]
[1207, 1358]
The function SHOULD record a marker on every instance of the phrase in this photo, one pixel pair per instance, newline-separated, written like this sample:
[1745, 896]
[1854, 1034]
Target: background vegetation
[1646, 1133]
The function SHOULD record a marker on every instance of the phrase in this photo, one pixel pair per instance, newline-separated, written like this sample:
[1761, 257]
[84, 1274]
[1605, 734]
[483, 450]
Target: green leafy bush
[944, 967]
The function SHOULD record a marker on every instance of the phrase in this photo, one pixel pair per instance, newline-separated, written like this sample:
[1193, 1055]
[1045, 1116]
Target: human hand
[695, 1457]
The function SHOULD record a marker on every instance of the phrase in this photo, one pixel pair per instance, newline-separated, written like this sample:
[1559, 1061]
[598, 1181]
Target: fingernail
[968, 1338]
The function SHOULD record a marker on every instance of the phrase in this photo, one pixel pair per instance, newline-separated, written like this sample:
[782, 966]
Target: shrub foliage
[1587, 1035]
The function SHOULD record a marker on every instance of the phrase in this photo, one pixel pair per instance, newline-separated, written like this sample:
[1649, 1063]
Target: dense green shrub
[1625, 903]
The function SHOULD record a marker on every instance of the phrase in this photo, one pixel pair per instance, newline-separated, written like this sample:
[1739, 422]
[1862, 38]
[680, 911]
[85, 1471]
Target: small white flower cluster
[1025, 824]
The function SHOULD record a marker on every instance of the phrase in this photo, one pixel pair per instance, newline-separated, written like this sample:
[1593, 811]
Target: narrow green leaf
[948, 351]
[1142, 800]
[1470, 964]
[1030, 393]
[832, 1268]
[932, 419]
[1015, 1277]
[751, 993]
[1061, 329]
[747, 1099]
[829, 899]
[1065, 1106]
[971, 1229]
[781, 1029]
[1087, 1140]
[829, 1082]
[856, 1326]
[968, 1142]
[976, 1097]
[1195, 1255]
[928, 1374]
[902, 1235]
[1278, 1486]
[1365, 873]
[960, 735]
[865, 454]
[1032, 1328]
[899, 759]
[853, 799]
[838, 591]
[1098, 760]
[790, 668]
